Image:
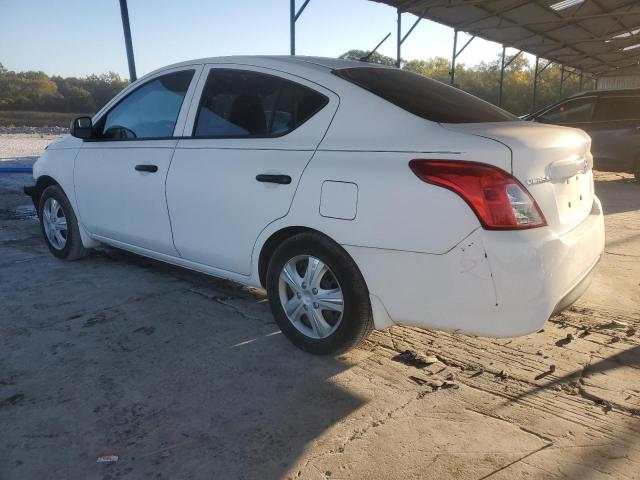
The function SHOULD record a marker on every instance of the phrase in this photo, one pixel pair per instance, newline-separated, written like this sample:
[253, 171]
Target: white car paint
[424, 255]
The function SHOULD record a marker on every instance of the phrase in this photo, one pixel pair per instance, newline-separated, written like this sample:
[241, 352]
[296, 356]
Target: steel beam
[456, 53]
[124, 13]
[400, 39]
[293, 18]
[581, 80]
[452, 73]
[503, 65]
[535, 86]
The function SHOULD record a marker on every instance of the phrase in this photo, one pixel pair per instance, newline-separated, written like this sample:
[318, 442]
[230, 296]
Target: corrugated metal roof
[597, 36]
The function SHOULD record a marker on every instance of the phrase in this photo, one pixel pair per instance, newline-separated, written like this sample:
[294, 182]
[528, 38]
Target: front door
[120, 175]
[250, 137]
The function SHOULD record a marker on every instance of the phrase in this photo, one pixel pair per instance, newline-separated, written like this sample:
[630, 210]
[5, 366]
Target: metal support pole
[292, 27]
[456, 53]
[399, 39]
[124, 13]
[597, 82]
[535, 86]
[502, 67]
[452, 73]
[561, 79]
[293, 18]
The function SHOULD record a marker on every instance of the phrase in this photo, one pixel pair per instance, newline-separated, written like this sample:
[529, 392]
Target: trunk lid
[553, 163]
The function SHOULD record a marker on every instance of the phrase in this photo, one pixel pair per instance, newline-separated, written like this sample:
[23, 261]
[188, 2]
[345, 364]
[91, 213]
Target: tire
[336, 275]
[66, 244]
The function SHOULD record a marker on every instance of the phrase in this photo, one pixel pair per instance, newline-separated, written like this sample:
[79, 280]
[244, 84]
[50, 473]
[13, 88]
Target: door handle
[147, 168]
[281, 179]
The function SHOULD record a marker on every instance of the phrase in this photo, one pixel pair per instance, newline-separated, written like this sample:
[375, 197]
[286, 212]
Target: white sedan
[359, 196]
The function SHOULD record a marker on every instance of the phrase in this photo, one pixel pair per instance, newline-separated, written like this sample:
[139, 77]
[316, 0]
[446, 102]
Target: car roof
[613, 92]
[309, 63]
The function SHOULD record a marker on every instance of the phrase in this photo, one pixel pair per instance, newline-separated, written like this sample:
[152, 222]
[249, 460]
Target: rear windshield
[422, 96]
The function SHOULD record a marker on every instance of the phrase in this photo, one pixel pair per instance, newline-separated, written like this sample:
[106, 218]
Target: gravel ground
[16, 146]
[119, 367]
[34, 130]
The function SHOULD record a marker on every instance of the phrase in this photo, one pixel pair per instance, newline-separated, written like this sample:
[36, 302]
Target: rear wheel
[59, 224]
[317, 295]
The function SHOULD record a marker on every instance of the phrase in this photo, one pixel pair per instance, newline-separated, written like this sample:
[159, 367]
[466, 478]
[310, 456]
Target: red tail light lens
[498, 199]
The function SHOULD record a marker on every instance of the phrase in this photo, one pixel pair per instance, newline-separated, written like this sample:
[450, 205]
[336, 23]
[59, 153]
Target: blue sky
[74, 37]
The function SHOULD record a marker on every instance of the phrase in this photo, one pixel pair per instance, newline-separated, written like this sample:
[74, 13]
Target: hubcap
[311, 296]
[55, 223]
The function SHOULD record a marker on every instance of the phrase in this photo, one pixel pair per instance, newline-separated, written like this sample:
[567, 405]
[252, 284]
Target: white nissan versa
[360, 196]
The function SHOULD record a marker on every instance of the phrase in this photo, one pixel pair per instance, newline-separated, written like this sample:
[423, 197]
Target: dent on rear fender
[449, 291]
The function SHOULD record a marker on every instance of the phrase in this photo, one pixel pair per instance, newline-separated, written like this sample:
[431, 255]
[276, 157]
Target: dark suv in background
[610, 117]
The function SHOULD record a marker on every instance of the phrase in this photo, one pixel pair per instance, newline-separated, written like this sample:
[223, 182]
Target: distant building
[620, 81]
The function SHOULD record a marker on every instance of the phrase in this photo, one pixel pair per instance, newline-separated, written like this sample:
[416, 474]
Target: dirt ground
[185, 376]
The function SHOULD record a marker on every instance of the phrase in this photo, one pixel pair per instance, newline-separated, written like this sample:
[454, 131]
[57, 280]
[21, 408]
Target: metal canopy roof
[601, 37]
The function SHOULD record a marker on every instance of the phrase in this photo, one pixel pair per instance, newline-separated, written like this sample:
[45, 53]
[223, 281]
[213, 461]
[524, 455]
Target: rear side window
[239, 103]
[617, 108]
[571, 111]
[150, 111]
[422, 96]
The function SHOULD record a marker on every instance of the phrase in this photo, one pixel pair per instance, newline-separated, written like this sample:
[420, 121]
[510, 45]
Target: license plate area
[574, 197]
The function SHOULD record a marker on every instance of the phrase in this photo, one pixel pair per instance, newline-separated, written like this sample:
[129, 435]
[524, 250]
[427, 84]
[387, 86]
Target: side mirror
[81, 127]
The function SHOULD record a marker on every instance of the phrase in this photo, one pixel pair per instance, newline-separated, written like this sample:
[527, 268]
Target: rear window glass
[422, 96]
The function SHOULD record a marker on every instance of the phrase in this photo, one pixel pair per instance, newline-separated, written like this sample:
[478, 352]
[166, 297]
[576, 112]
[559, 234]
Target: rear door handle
[147, 168]
[282, 179]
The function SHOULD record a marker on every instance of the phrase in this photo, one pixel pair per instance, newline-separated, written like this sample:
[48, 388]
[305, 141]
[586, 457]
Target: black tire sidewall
[357, 307]
[73, 233]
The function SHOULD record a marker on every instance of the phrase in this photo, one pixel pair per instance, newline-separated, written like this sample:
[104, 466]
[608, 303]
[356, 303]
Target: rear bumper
[494, 283]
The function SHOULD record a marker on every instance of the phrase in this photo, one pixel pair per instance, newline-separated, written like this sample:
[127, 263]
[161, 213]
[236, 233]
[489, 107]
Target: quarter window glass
[617, 108]
[572, 111]
[238, 103]
[150, 111]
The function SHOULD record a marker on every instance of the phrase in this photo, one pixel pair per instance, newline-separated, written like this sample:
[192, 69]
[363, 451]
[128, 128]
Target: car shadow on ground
[178, 374]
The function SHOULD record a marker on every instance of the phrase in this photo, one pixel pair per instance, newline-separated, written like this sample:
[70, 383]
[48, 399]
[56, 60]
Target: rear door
[615, 132]
[120, 175]
[248, 138]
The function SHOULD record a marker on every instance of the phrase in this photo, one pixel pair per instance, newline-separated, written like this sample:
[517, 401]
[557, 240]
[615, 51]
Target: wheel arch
[45, 181]
[270, 245]
[42, 183]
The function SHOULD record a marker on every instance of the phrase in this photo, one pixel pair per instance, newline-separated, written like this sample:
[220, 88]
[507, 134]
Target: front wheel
[59, 224]
[318, 295]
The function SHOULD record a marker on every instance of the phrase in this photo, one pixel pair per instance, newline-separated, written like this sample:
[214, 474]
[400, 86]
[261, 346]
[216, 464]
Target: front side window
[150, 111]
[239, 103]
[617, 108]
[571, 111]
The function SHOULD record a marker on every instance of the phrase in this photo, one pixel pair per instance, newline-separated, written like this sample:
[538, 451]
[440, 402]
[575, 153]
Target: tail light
[497, 198]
